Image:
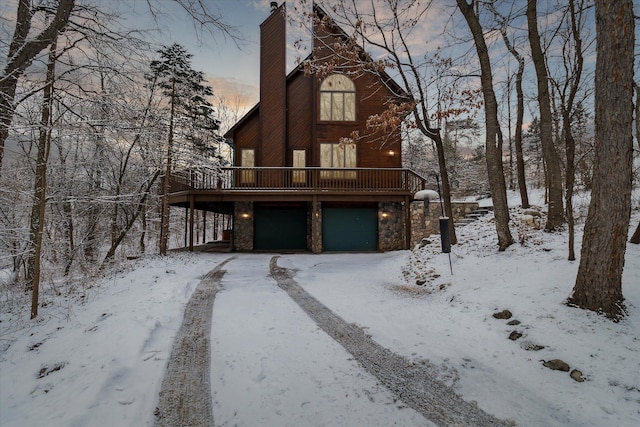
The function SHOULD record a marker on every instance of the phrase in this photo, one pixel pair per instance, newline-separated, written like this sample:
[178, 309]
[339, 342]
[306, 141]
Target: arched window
[337, 99]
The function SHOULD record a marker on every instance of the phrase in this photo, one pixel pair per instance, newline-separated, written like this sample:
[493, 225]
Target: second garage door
[350, 228]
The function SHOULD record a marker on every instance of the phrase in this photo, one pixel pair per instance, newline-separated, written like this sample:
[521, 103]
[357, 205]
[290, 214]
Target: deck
[216, 190]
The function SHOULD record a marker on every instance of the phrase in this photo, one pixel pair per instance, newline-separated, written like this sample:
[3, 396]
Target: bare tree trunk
[522, 183]
[493, 134]
[22, 52]
[40, 187]
[164, 215]
[570, 183]
[555, 216]
[142, 205]
[143, 234]
[446, 187]
[67, 216]
[598, 284]
[567, 103]
[636, 235]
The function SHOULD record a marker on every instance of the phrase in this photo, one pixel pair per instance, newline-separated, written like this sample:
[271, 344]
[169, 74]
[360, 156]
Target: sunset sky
[231, 68]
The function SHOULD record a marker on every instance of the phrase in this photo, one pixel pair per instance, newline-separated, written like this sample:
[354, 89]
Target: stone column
[316, 226]
[390, 226]
[243, 226]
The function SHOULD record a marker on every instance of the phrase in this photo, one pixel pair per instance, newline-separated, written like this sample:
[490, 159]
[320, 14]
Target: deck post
[407, 222]
[191, 219]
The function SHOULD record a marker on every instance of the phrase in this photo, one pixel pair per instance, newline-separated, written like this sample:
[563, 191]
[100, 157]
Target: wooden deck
[215, 190]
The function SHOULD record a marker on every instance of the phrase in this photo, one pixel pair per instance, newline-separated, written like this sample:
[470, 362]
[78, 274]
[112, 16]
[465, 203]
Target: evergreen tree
[190, 115]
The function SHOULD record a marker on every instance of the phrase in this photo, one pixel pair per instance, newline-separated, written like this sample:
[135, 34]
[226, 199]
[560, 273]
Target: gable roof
[337, 31]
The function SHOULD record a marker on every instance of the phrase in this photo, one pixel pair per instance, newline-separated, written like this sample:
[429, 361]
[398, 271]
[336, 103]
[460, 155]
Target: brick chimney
[273, 91]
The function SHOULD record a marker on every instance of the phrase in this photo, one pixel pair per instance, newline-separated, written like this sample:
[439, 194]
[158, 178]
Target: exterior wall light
[245, 215]
[392, 153]
[385, 215]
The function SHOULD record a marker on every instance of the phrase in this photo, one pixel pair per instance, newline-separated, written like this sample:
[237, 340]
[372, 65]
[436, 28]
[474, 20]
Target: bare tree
[598, 284]
[573, 61]
[40, 186]
[493, 134]
[553, 176]
[22, 51]
[522, 181]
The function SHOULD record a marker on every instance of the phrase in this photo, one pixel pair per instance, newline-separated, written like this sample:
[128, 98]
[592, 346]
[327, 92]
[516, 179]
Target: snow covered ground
[99, 360]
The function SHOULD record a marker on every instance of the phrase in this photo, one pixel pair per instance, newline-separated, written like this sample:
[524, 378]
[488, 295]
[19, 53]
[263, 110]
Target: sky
[231, 66]
[97, 353]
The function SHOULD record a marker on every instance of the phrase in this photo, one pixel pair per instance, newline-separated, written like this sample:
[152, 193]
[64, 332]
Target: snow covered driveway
[271, 365]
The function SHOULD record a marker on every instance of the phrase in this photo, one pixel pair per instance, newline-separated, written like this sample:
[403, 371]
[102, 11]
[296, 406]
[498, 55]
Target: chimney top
[274, 6]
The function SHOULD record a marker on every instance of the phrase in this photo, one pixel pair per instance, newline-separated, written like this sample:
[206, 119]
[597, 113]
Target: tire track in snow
[415, 384]
[185, 393]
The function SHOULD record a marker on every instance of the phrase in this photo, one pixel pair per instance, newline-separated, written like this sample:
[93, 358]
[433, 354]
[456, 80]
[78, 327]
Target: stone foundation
[391, 227]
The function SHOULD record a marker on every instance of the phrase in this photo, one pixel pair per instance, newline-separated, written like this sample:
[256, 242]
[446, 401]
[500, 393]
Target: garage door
[350, 229]
[279, 228]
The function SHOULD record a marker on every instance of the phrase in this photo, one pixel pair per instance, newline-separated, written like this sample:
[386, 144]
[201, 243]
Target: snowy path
[415, 384]
[185, 394]
[306, 375]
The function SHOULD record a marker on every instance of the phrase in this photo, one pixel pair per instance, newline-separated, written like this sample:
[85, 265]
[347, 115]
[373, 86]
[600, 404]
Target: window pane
[338, 82]
[325, 106]
[350, 155]
[325, 155]
[248, 160]
[299, 161]
[337, 112]
[350, 106]
[338, 156]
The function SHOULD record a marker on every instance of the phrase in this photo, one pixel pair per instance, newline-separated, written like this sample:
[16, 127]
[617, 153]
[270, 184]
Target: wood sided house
[294, 186]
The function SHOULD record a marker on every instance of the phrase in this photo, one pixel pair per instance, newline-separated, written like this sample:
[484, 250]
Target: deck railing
[374, 180]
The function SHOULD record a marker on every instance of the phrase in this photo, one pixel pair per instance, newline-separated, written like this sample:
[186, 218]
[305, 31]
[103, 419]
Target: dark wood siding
[273, 89]
[247, 135]
[374, 148]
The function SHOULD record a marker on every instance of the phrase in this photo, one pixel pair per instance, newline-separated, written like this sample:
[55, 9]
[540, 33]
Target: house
[295, 184]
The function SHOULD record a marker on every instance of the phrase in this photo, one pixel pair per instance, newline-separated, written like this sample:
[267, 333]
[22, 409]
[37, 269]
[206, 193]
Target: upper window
[338, 99]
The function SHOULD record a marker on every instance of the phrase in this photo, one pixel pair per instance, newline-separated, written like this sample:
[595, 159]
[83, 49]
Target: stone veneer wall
[314, 234]
[424, 224]
[243, 227]
[390, 226]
